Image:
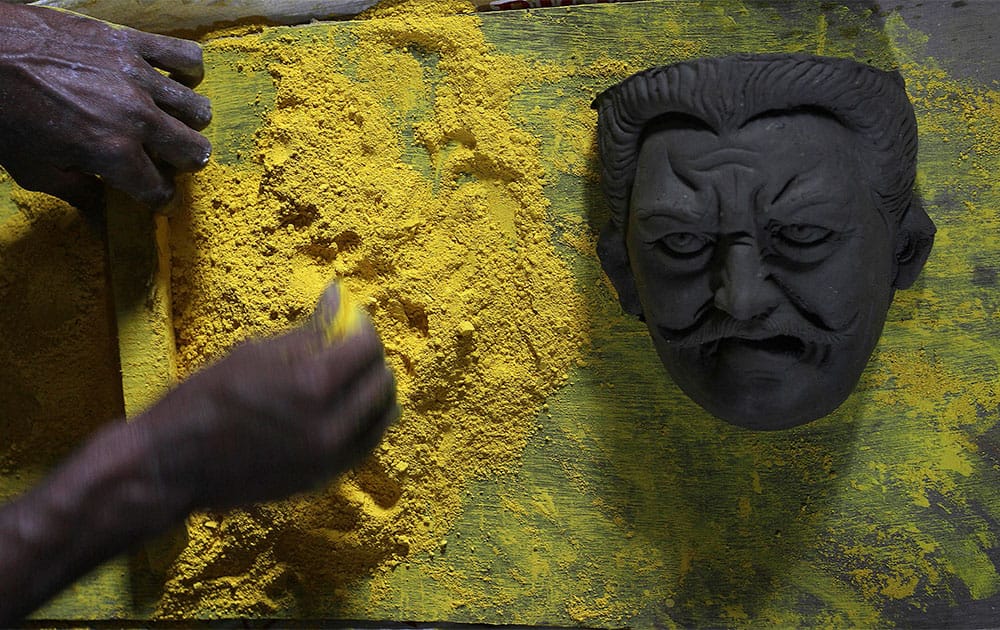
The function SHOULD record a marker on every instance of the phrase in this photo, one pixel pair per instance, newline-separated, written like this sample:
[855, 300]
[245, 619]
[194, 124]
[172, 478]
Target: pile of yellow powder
[425, 197]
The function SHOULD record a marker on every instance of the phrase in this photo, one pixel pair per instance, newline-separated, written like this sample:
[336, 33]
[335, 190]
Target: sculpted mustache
[715, 326]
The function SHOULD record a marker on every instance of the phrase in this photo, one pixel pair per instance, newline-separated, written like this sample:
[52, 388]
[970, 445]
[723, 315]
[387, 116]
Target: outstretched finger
[184, 104]
[180, 57]
[177, 145]
[328, 304]
[336, 315]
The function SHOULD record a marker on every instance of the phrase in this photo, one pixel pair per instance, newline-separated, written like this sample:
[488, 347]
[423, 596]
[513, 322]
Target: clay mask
[762, 218]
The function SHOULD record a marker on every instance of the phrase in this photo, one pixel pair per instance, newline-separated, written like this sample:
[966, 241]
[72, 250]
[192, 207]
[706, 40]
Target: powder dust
[427, 203]
[57, 383]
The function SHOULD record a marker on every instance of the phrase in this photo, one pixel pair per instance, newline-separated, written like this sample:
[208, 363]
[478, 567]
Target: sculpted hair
[727, 92]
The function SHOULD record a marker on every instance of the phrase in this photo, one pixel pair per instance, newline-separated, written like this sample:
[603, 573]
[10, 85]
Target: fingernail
[205, 115]
[205, 157]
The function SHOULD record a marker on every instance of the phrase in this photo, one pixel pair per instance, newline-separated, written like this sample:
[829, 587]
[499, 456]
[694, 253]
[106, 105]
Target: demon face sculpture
[762, 218]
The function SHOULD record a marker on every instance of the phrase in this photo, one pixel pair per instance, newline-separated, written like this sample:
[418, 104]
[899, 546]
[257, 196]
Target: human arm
[272, 418]
[82, 104]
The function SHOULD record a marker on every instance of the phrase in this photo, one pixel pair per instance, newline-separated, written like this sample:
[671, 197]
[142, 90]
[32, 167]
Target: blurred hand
[82, 101]
[272, 418]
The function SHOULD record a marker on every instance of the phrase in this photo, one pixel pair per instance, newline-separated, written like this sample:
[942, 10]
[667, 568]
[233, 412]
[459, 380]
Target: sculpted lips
[773, 343]
[778, 351]
[757, 350]
[769, 354]
[784, 345]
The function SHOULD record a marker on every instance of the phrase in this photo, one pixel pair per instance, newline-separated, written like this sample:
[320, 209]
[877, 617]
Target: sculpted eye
[685, 244]
[803, 235]
[803, 243]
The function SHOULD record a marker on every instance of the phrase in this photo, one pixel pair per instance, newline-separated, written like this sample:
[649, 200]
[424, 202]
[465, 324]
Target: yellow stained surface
[545, 470]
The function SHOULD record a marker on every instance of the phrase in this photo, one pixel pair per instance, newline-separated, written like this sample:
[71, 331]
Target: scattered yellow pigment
[56, 382]
[452, 258]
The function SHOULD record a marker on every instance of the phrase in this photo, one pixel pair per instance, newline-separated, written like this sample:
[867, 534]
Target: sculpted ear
[913, 244]
[614, 260]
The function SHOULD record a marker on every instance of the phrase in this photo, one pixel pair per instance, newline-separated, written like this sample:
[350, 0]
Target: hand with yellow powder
[83, 103]
[275, 417]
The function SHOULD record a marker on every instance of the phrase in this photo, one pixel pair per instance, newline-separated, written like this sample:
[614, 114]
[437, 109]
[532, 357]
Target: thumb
[82, 191]
[337, 315]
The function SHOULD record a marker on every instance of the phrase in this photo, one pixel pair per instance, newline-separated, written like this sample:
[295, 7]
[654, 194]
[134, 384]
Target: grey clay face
[761, 260]
[762, 269]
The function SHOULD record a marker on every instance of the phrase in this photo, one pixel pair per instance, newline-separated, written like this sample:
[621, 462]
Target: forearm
[101, 502]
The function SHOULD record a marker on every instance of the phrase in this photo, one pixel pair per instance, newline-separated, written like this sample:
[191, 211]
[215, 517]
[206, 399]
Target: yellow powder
[429, 209]
[56, 382]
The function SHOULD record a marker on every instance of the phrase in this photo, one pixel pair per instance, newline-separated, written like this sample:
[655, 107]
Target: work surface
[617, 501]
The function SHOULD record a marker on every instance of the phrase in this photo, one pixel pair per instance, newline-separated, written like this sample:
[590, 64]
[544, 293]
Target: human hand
[272, 418]
[82, 102]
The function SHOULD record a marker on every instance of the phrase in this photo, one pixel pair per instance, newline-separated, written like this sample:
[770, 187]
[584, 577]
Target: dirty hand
[274, 417]
[82, 101]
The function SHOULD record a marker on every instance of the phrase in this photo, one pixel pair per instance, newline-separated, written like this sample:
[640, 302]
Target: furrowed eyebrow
[675, 213]
[817, 202]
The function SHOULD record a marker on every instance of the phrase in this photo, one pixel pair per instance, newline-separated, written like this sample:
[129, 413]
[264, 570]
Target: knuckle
[117, 151]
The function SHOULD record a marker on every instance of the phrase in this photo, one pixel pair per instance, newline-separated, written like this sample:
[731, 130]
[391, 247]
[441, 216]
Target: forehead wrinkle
[737, 187]
[802, 182]
[668, 201]
[724, 156]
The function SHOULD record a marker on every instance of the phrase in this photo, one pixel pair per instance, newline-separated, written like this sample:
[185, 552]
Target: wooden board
[633, 507]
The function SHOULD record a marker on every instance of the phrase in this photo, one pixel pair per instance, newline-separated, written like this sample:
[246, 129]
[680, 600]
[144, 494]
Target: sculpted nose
[744, 291]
